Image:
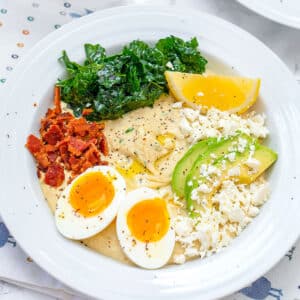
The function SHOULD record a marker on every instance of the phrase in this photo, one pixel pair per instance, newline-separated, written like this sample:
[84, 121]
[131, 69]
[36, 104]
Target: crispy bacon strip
[55, 175]
[33, 144]
[57, 99]
[87, 111]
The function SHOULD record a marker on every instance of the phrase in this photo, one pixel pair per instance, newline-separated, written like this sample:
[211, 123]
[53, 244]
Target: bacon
[75, 164]
[85, 166]
[76, 146]
[57, 99]
[42, 160]
[55, 175]
[64, 117]
[78, 127]
[92, 155]
[66, 143]
[63, 151]
[53, 135]
[87, 111]
[49, 148]
[33, 144]
[52, 156]
[104, 146]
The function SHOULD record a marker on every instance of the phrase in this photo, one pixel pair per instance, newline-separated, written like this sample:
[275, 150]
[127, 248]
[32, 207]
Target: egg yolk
[134, 169]
[91, 194]
[149, 220]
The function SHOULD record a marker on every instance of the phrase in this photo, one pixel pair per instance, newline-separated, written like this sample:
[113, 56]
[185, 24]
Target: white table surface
[18, 32]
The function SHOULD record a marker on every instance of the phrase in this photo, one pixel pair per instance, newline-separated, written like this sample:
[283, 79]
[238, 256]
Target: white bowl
[28, 217]
[286, 12]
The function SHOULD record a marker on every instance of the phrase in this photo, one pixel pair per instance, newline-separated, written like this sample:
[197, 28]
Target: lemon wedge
[226, 93]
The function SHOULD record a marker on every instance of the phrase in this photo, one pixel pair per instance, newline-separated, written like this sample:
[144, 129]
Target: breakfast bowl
[229, 51]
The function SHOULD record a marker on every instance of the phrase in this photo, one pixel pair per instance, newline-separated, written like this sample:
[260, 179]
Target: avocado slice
[244, 166]
[265, 158]
[212, 157]
[185, 164]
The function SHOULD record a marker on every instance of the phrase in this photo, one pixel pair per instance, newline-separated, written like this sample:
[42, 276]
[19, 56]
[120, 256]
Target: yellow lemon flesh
[226, 93]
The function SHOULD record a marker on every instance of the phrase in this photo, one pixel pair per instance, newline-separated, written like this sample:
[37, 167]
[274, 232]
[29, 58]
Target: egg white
[150, 255]
[75, 226]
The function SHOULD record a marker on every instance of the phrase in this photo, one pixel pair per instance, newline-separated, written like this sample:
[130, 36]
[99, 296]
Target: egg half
[144, 228]
[90, 202]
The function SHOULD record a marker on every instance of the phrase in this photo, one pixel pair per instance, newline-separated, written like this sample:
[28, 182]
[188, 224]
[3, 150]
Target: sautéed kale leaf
[134, 78]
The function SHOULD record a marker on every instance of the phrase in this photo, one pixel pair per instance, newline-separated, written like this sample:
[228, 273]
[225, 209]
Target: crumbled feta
[231, 156]
[191, 251]
[204, 188]
[253, 211]
[223, 164]
[194, 195]
[179, 259]
[233, 207]
[216, 123]
[234, 171]
[260, 193]
[242, 145]
[200, 94]
[203, 170]
[185, 126]
[170, 65]
[183, 226]
[177, 105]
[253, 164]
[177, 201]
[213, 170]
[190, 114]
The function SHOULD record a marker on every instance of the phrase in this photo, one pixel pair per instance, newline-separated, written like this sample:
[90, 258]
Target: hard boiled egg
[144, 228]
[90, 202]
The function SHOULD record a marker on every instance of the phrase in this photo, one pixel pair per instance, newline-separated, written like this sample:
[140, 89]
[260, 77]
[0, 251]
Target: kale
[133, 78]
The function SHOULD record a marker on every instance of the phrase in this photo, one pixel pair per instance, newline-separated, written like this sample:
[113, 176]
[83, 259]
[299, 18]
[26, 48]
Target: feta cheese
[213, 170]
[231, 156]
[204, 170]
[233, 205]
[253, 164]
[177, 105]
[183, 227]
[216, 123]
[190, 114]
[234, 171]
[242, 145]
[191, 252]
[253, 211]
[260, 194]
[204, 188]
[170, 65]
[185, 127]
[179, 259]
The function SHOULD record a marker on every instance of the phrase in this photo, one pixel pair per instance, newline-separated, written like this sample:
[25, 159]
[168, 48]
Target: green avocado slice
[185, 164]
[210, 157]
[253, 155]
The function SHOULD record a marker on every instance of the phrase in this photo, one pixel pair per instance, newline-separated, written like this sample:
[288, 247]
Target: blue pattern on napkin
[260, 289]
[5, 236]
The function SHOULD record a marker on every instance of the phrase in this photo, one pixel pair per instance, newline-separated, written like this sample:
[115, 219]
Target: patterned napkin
[22, 24]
